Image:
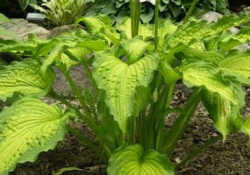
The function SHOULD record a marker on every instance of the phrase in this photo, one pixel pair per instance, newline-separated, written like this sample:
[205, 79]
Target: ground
[229, 158]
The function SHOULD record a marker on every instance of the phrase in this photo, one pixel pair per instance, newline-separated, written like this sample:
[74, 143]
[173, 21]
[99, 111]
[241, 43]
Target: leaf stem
[88, 117]
[180, 124]
[170, 94]
[135, 10]
[56, 96]
[190, 10]
[85, 64]
[61, 98]
[156, 23]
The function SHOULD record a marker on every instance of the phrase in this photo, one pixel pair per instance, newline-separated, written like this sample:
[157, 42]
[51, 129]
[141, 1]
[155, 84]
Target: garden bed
[229, 158]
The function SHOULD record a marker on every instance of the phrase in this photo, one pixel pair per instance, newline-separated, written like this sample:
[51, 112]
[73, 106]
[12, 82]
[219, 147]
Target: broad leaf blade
[134, 49]
[203, 74]
[225, 115]
[25, 78]
[94, 24]
[27, 128]
[239, 66]
[134, 160]
[120, 80]
[198, 30]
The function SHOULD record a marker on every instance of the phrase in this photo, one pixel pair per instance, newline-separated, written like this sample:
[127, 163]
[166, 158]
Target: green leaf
[27, 128]
[225, 115]
[24, 77]
[146, 31]
[109, 132]
[54, 54]
[194, 55]
[203, 74]
[198, 30]
[169, 74]
[94, 24]
[241, 37]
[134, 49]
[239, 66]
[100, 25]
[134, 160]
[120, 80]
[4, 19]
[166, 28]
[77, 55]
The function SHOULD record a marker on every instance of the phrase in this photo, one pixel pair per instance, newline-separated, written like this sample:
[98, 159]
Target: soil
[229, 158]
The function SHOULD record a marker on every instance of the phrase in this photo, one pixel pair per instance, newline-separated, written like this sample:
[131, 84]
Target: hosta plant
[133, 70]
[61, 12]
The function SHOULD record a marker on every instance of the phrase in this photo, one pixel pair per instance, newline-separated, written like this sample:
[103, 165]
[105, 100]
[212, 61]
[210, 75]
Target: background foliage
[174, 9]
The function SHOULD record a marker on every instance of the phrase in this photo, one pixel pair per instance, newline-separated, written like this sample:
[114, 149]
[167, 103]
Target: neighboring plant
[25, 3]
[62, 12]
[174, 9]
[133, 70]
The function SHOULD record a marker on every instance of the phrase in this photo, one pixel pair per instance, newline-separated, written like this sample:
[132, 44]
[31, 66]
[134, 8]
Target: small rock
[244, 47]
[60, 30]
[212, 16]
[22, 28]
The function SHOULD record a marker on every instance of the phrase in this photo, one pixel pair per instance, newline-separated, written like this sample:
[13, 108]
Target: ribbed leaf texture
[198, 30]
[134, 160]
[243, 35]
[25, 78]
[78, 43]
[78, 53]
[120, 80]
[130, 51]
[100, 25]
[203, 74]
[95, 23]
[27, 128]
[239, 65]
